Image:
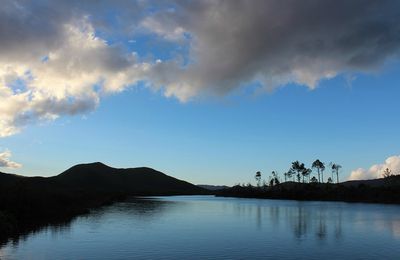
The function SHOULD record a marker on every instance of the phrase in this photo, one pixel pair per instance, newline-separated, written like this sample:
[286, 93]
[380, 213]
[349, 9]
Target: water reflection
[304, 218]
[143, 209]
[55, 228]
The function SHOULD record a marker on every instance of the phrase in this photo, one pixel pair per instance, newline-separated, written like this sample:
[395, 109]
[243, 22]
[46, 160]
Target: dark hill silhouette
[98, 177]
[9, 179]
[134, 181]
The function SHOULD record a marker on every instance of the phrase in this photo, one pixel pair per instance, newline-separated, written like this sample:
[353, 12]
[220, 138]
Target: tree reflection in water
[304, 218]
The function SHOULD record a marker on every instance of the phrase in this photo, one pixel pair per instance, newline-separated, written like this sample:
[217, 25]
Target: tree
[271, 182]
[258, 178]
[275, 175]
[299, 169]
[296, 169]
[320, 166]
[387, 173]
[314, 180]
[290, 174]
[286, 175]
[275, 178]
[306, 173]
[329, 180]
[335, 170]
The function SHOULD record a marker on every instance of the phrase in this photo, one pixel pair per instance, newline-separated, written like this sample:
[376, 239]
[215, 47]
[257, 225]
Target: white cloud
[6, 162]
[376, 170]
[69, 81]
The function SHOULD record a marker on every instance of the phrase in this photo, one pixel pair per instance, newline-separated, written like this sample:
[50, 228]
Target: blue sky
[171, 112]
[224, 140]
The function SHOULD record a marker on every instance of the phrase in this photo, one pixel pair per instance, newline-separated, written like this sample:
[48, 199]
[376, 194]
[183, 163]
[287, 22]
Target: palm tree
[317, 164]
[335, 169]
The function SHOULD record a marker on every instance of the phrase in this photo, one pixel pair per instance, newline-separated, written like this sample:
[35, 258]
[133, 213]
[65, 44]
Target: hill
[133, 181]
[98, 177]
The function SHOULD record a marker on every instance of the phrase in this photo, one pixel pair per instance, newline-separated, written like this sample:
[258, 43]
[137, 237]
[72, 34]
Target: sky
[205, 91]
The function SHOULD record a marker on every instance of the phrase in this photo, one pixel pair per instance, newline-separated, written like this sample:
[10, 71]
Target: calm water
[204, 227]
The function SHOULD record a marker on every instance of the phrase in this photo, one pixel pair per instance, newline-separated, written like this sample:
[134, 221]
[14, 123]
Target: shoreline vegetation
[299, 184]
[387, 193]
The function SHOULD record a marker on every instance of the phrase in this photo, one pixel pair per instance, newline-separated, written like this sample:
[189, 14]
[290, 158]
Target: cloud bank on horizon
[376, 171]
[60, 58]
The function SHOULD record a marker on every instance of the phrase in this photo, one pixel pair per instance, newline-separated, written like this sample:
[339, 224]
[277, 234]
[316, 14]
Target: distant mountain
[213, 187]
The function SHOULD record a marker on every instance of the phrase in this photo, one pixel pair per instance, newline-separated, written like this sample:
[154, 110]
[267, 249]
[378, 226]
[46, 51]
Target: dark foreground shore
[22, 213]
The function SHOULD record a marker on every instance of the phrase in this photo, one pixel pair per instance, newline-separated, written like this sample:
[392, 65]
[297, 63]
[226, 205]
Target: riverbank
[387, 193]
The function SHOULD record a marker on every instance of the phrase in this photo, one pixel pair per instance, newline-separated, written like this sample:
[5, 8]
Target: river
[207, 227]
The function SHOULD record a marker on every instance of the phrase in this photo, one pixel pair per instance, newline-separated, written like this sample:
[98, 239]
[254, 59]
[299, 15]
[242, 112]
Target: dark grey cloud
[279, 41]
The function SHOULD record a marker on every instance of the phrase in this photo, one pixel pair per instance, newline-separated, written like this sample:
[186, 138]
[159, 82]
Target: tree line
[300, 173]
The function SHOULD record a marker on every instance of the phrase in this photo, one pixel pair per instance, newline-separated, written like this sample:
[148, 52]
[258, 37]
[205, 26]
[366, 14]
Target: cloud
[6, 162]
[53, 64]
[376, 170]
[272, 43]
[62, 57]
